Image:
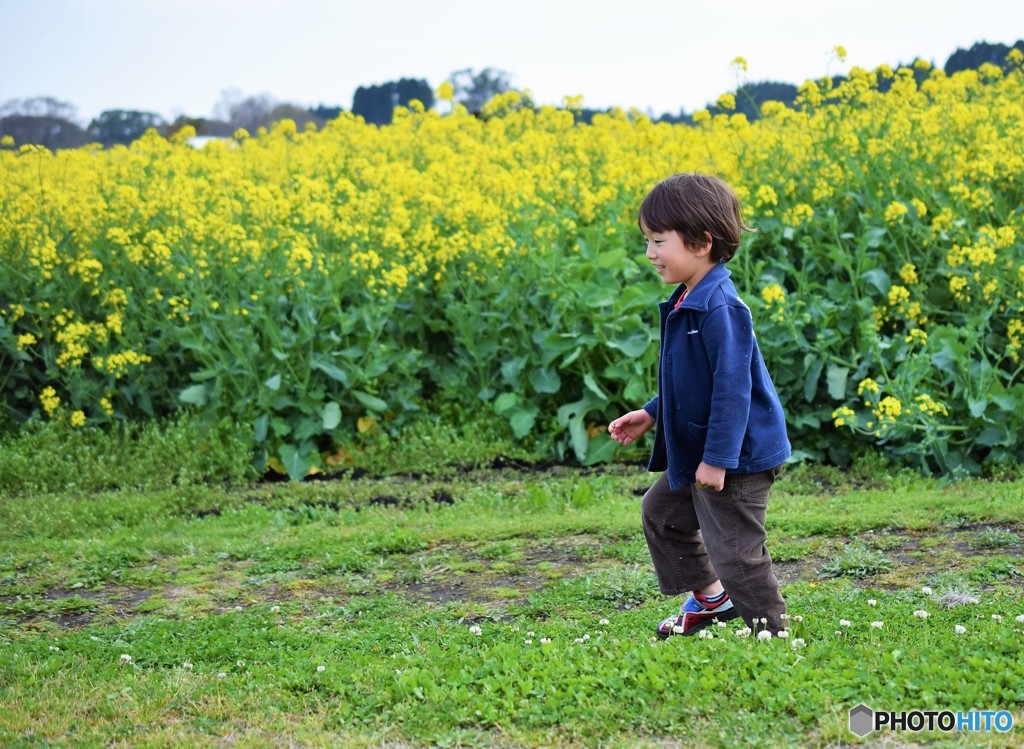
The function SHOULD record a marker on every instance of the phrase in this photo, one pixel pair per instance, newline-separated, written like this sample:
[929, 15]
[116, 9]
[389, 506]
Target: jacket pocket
[697, 435]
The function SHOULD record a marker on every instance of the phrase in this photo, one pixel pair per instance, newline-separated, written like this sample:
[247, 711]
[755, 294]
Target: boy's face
[674, 261]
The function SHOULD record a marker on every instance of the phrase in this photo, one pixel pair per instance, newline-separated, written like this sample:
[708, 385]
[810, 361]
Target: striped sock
[715, 598]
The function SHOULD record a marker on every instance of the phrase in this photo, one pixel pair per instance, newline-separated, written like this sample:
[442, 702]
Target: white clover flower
[677, 629]
[586, 637]
[763, 620]
[274, 609]
[240, 664]
[321, 669]
[845, 623]
[476, 630]
[783, 634]
[784, 617]
[579, 641]
[1020, 619]
[187, 665]
[604, 622]
[798, 618]
[222, 675]
[126, 659]
[238, 608]
[529, 642]
[926, 590]
[839, 633]
[764, 635]
[872, 602]
[545, 641]
[921, 614]
[876, 625]
[798, 643]
[997, 618]
[705, 634]
[54, 648]
[721, 624]
[745, 632]
[529, 634]
[960, 630]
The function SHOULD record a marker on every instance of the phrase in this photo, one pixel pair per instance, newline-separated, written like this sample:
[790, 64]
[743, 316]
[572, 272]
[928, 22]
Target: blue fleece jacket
[716, 402]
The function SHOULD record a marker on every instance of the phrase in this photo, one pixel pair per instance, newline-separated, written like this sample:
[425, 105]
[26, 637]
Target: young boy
[721, 433]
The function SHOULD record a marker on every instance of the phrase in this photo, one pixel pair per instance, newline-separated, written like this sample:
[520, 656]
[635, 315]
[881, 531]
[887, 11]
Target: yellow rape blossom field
[317, 287]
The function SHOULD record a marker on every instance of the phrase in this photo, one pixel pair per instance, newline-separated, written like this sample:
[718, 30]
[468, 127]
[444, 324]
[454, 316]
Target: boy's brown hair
[692, 204]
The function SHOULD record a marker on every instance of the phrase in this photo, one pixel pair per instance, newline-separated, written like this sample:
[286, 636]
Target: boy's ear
[705, 248]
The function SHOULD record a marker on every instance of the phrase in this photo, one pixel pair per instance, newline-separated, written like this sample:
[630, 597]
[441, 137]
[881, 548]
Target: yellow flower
[77, 418]
[798, 215]
[888, 408]
[898, 295]
[25, 340]
[840, 52]
[842, 415]
[446, 92]
[809, 93]
[908, 274]
[895, 212]
[7, 141]
[50, 400]
[574, 103]
[917, 335]
[773, 294]
[957, 285]
[765, 195]
[926, 404]
[867, 386]
[726, 101]
[740, 63]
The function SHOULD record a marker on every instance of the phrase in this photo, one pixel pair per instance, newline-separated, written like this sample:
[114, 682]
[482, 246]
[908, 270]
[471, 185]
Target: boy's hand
[710, 477]
[630, 426]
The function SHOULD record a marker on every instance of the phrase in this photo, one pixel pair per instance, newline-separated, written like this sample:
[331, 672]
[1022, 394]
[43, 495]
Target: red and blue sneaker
[698, 612]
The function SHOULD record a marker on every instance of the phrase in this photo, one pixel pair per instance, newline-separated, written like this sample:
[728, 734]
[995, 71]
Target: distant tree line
[48, 122]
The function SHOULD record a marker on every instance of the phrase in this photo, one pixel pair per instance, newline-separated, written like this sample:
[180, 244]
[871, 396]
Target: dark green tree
[42, 121]
[52, 132]
[123, 126]
[750, 96]
[979, 54]
[203, 126]
[376, 104]
[325, 113]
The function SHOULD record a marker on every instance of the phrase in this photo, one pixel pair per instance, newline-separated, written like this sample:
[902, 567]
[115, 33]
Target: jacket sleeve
[728, 335]
[651, 407]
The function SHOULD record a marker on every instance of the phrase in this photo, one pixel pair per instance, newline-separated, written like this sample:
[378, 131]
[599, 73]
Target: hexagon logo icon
[862, 720]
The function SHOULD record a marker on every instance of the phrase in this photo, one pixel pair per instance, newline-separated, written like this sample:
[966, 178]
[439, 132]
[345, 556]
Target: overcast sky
[179, 56]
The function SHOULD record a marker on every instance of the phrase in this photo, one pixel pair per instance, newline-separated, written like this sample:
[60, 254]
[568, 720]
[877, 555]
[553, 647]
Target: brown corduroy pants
[697, 536]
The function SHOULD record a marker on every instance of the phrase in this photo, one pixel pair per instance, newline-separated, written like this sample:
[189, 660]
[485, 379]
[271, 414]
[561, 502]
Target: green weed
[993, 538]
[857, 562]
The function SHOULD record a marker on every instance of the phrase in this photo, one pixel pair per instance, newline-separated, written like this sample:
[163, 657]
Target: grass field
[501, 604]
